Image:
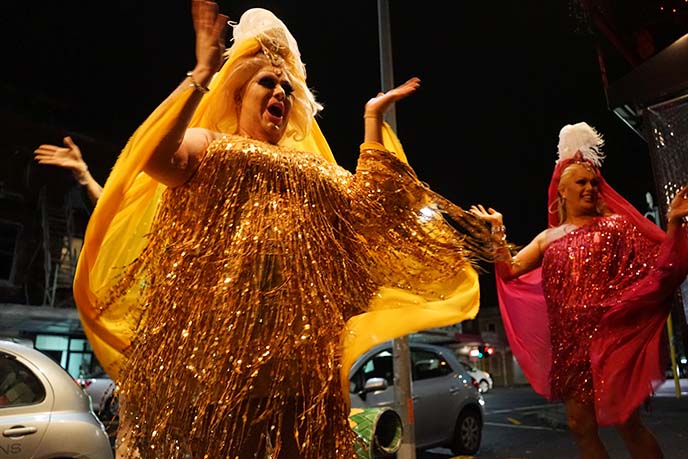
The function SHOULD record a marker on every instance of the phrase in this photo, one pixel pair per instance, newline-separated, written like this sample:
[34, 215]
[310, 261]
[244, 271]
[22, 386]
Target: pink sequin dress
[583, 274]
[589, 323]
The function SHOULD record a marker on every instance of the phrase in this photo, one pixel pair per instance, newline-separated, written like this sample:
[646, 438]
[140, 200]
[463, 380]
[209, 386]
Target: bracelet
[81, 176]
[196, 86]
[498, 233]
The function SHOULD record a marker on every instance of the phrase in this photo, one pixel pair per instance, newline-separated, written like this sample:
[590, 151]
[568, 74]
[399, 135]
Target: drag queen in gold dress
[232, 271]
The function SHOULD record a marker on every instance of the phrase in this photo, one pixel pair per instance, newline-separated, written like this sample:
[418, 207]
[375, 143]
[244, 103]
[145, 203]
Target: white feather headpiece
[263, 24]
[583, 138]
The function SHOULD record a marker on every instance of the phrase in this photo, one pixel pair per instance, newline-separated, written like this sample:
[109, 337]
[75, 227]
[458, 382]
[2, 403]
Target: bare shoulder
[197, 134]
[547, 236]
[196, 140]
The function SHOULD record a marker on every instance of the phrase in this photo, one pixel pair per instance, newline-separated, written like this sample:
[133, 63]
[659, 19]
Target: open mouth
[276, 112]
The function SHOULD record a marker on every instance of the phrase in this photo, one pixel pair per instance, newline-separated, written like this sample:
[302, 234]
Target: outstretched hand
[211, 28]
[678, 209]
[489, 215]
[378, 105]
[68, 157]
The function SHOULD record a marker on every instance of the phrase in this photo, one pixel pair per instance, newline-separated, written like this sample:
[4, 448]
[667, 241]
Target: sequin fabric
[251, 270]
[583, 273]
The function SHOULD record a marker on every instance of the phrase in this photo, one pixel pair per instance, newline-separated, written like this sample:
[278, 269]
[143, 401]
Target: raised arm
[376, 107]
[176, 156]
[508, 266]
[69, 157]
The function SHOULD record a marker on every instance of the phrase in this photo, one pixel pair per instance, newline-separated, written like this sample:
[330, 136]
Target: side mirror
[373, 385]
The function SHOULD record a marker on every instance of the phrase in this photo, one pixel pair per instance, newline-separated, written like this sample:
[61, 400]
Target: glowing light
[426, 214]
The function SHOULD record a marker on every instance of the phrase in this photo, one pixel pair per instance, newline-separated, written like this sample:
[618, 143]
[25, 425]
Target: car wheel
[467, 433]
[484, 386]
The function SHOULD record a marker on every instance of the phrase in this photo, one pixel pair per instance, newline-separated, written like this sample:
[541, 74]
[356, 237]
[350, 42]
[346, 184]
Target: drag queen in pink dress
[584, 304]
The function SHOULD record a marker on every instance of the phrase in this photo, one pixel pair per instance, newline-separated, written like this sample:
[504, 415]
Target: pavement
[669, 399]
[665, 414]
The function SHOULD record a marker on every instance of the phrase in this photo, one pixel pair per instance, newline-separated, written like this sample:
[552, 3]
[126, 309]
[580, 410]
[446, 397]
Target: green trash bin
[379, 431]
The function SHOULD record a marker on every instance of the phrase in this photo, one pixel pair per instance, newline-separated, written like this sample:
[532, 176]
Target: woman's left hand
[378, 105]
[678, 209]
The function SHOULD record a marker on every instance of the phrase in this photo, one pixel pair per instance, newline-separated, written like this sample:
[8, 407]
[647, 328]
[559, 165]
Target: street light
[401, 353]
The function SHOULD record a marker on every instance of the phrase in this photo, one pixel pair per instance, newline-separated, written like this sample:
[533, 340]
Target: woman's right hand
[489, 215]
[211, 28]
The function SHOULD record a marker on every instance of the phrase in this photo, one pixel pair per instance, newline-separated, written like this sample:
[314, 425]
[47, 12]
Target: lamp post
[401, 354]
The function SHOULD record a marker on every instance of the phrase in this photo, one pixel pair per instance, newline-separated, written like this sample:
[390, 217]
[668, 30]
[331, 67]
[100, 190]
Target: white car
[101, 388]
[43, 411]
[483, 378]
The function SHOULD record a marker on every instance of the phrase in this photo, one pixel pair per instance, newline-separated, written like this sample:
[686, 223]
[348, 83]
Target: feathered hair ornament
[583, 138]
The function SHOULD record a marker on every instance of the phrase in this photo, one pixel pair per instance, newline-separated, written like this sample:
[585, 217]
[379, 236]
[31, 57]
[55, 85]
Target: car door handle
[454, 390]
[19, 431]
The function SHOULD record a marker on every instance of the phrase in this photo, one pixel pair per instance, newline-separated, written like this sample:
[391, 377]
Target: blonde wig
[579, 144]
[600, 207]
[259, 39]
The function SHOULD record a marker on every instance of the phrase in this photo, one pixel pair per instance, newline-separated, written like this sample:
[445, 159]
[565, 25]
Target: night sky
[499, 79]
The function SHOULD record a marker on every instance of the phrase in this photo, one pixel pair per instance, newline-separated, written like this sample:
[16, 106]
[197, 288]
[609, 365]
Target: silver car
[44, 413]
[448, 409]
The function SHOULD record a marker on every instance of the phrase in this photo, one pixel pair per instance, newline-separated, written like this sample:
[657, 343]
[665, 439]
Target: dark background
[499, 80]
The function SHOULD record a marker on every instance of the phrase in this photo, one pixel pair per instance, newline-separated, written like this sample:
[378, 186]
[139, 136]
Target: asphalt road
[519, 424]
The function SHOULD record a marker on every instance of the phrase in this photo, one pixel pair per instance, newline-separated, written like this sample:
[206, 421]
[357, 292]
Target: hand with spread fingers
[489, 215]
[377, 106]
[69, 157]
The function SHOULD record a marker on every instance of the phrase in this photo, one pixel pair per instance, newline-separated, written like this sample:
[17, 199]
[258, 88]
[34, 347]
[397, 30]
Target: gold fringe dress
[246, 293]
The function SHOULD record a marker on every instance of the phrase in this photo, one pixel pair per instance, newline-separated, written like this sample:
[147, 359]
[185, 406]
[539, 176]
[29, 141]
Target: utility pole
[401, 355]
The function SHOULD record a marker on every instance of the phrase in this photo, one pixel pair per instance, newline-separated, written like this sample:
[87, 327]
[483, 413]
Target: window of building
[73, 354]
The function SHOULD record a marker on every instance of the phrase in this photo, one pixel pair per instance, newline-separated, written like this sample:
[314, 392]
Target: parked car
[448, 409]
[101, 388]
[44, 413]
[483, 378]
